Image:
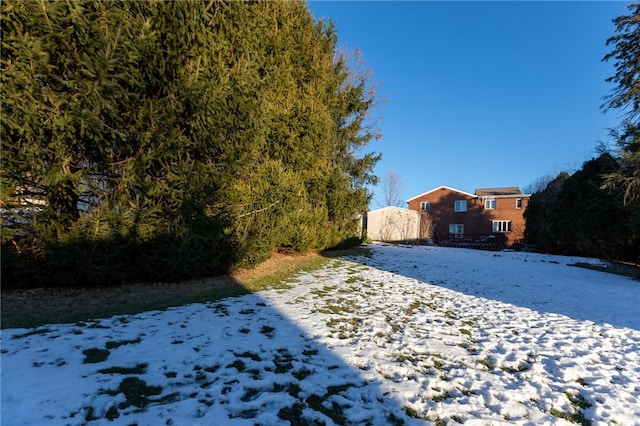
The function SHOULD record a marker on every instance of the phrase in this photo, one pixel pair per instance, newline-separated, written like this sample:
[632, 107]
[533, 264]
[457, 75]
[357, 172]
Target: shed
[393, 224]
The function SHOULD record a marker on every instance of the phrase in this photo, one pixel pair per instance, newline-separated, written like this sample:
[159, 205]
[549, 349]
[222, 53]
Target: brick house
[489, 216]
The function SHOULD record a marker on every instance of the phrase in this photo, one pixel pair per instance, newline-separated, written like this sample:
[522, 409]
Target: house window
[425, 206]
[460, 206]
[456, 230]
[518, 203]
[501, 226]
[490, 203]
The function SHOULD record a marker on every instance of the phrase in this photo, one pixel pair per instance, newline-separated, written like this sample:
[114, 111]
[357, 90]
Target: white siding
[393, 224]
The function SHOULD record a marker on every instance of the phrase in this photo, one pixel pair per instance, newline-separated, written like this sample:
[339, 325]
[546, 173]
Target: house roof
[511, 190]
[391, 208]
[441, 187]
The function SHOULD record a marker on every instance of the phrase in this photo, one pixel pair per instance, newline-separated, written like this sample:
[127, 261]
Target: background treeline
[159, 140]
[577, 215]
[596, 211]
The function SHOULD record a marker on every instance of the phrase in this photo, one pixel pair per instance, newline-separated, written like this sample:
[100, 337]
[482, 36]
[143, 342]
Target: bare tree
[398, 226]
[538, 185]
[426, 226]
[391, 186]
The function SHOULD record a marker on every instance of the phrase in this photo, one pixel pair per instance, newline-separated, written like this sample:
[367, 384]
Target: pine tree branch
[260, 210]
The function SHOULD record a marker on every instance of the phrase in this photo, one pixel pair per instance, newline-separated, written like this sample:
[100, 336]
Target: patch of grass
[472, 350]
[246, 414]
[302, 374]
[487, 363]
[441, 396]
[267, 331]
[88, 414]
[582, 382]
[394, 420]
[37, 307]
[512, 370]
[30, 333]
[212, 369]
[403, 357]
[324, 291]
[354, 279]
[282, 366]
[578, 402]
[290, 388]
[293, 414]
[411, 412]
[576, 417]
[349, 252]
[413, 307]
[138, 369]
[618, 268]
[112, 413]
[335, 413]
[438, 364]
[95, 355]
[248, 354]
[310, 352]
[238, 365]
[336, 389]
[136, 392]
[221, 309]
[113, 345]
[250, 395]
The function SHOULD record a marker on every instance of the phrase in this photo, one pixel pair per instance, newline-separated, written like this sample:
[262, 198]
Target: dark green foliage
[626, 58]
[589, 220]
[575, 215]
[166, 140]
[538, 212]
[626, 96]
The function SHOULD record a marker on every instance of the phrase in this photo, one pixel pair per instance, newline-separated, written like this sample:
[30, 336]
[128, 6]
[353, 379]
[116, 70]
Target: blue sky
[482, 94]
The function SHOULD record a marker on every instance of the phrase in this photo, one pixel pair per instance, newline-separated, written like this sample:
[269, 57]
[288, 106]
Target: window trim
[518, 203]
[457, 209]
[459, 226]
[488, 202]
[425, 206]
[501, 226]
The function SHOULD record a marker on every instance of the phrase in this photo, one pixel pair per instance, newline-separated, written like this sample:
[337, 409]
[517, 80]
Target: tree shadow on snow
[237, 360]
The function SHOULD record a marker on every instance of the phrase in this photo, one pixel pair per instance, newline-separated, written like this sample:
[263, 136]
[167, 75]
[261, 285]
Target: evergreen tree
[626, 96]
[162, 140]
[66, 81]
[538, 215]
[589, 221]
[626, 57]
[575, 216]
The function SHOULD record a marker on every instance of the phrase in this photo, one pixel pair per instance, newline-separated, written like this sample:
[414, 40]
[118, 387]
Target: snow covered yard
[408, 335]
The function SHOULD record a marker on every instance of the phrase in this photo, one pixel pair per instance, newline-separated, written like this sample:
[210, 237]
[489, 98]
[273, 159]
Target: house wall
[393, 224]
[506, 210]
[477, 221]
